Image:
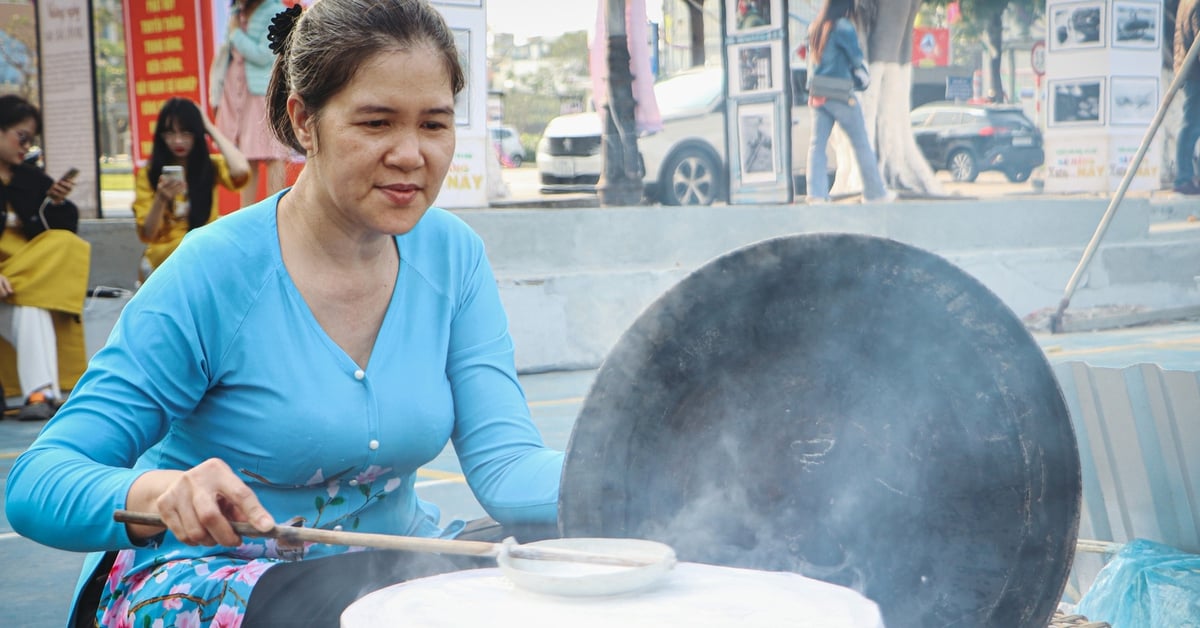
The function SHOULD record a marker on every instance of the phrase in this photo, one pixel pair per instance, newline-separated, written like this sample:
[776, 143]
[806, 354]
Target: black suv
[969, 139]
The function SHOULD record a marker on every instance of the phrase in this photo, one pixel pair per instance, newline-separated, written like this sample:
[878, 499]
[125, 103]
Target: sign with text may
[164, 59]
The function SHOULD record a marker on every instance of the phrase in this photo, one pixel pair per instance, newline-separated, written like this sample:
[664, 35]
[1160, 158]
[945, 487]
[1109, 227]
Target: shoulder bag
[831, 87]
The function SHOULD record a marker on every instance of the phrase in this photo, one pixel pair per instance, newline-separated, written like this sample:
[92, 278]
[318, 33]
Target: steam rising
[844, 407]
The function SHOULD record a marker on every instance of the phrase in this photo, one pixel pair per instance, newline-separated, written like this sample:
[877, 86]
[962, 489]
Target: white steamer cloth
[693, 595]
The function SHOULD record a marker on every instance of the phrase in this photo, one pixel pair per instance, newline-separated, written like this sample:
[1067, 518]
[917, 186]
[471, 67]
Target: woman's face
[382, 145]
[178, 141]
[15, 142]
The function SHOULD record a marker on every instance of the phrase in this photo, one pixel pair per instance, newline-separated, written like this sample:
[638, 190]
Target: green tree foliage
[531, 99]
[983, 21]
[18, 52]
[112, 103]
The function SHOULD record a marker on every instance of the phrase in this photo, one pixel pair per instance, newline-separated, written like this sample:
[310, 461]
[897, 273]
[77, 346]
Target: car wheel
[516, 161]
[962, 166]
[690, 178]
[1017, 176]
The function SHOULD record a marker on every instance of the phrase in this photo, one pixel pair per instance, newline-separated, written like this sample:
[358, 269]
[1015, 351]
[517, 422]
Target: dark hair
[183, 115]
[333, 38]
[15, 110]
[827, 17]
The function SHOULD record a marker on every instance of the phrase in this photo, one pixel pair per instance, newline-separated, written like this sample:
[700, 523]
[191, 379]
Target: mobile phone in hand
[70, 175]
[175, 172]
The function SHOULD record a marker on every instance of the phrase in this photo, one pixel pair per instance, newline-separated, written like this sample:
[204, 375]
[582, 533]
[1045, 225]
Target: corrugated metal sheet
[1138, 430]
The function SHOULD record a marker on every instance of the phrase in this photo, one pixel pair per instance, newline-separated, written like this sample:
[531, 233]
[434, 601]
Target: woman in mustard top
[43, 271]
[174, 205]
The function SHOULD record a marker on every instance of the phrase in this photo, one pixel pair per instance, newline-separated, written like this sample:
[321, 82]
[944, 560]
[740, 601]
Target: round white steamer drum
[693, 594]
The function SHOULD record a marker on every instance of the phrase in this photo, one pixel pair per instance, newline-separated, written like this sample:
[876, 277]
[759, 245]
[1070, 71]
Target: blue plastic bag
[1147, 585]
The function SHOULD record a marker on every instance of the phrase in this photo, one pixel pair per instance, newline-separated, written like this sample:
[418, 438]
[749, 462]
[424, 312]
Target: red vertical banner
[165, 56]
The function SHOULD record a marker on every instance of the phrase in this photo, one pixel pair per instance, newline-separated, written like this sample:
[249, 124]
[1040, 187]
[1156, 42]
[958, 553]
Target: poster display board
[757, 112]
[1102, 90]
[467, 182]
[68, 98]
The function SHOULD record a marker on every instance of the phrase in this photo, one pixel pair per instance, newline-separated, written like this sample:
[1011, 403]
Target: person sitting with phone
[184, 175]
[43, 270]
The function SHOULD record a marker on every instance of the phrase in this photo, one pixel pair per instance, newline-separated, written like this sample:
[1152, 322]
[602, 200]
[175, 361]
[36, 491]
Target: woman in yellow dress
[43, 271]
[178, 203]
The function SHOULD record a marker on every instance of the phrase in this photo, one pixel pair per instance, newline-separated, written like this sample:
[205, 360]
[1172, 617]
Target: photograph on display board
[1076, 25]
[1136, 24]
[462, 102]
[1077, 102]
[1134, 99]
[757, 68]
[756, 142]
[749, 16]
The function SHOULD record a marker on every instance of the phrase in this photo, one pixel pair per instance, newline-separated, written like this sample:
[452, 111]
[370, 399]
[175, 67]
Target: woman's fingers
[200, 505]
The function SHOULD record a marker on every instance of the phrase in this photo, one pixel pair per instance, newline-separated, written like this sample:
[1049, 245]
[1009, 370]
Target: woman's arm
[513, 474]
[253, 42]
[847, 40]
[239, 166]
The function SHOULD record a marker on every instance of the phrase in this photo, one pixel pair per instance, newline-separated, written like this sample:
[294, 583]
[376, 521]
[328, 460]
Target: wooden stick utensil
[409, 543]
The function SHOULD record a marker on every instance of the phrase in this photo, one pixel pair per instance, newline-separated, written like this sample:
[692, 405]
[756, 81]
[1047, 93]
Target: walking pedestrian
[834, 52]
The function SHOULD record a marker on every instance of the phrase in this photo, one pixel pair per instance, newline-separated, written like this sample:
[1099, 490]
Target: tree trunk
[885, 26]
[696, 21]
[621, 180]
[993, 40]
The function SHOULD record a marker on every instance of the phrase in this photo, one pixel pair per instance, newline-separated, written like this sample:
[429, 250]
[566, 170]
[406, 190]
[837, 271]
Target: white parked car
[508, 143]
[684, 164]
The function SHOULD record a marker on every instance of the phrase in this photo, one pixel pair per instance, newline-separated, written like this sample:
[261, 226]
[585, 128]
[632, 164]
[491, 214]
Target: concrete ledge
[116, 251]
[573, 280]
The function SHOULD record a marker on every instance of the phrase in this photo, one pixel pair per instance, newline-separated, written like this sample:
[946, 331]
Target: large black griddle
[847, 407]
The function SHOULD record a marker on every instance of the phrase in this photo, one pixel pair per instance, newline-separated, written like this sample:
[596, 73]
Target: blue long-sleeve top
[218, 355]
[842, 52]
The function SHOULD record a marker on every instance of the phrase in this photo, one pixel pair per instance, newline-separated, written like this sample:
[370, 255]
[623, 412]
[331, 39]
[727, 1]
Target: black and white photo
[756, 142]
[1076, 25]
[757, 68]
[1077, 102]
[1134, 99]
[1136, 24]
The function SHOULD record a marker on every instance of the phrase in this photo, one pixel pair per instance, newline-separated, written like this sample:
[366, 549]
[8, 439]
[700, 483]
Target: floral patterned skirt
[187, 593]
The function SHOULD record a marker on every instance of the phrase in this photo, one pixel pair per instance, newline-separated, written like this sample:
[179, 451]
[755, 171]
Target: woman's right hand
[170, 187]
[198, 505]
[6, 288]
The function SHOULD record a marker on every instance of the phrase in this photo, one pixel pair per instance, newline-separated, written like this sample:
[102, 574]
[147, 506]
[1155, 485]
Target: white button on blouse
[374, 444]
[359, 375]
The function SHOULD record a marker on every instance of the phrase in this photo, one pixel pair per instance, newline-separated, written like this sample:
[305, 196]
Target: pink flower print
[371, 474]
[250, 551]
[391, 485]
[224, 573]
[138, 581]
[120, 567]
[227, 617]
[118, 617]
[201, 568]
[316, 478]
[174, 603]
[189, 619]
[332, 488]
[253, 571]
[159, 623]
